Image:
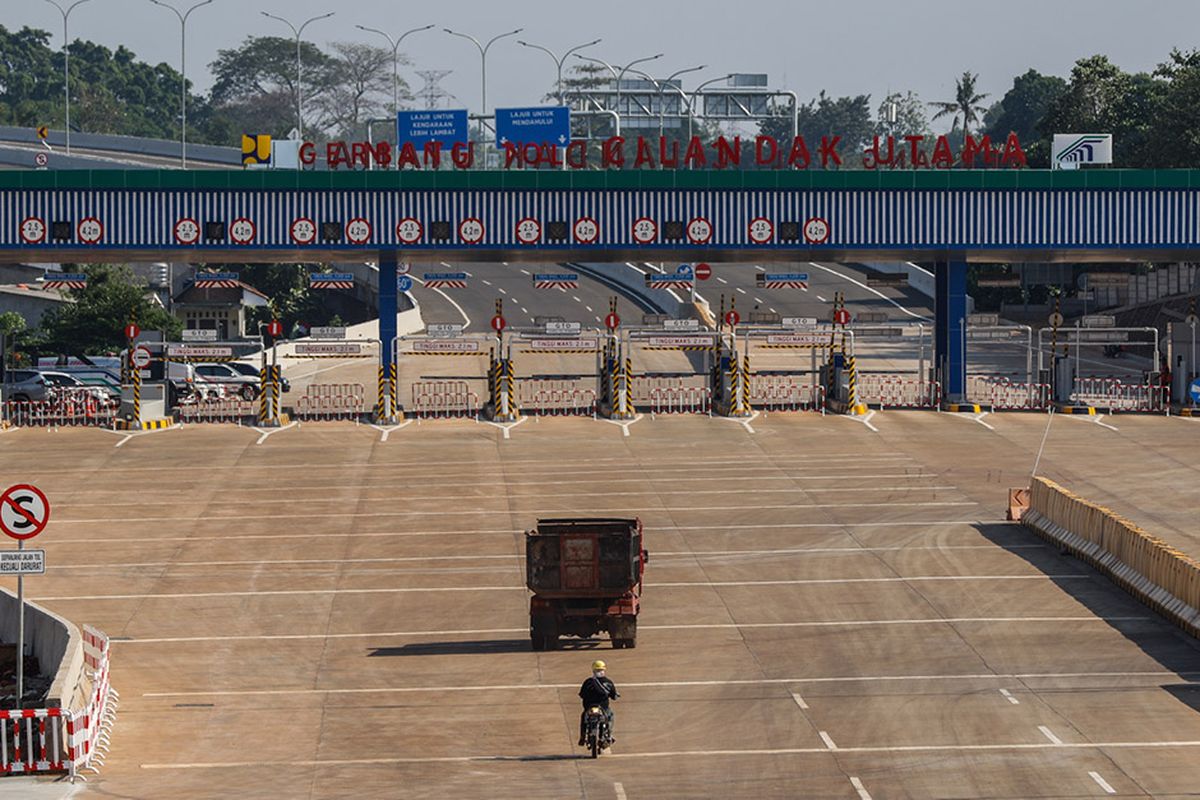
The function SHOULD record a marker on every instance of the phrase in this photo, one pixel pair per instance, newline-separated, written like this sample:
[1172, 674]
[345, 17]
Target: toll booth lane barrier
[445, 396]
[332, 402]
[573, 392]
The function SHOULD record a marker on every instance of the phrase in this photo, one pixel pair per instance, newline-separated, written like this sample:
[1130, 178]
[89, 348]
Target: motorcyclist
[597, 691]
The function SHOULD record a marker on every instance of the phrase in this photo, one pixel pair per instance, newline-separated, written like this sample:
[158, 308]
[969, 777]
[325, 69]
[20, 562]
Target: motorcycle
[597, 733]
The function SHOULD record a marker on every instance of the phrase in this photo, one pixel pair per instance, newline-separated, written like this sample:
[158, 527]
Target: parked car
[62, 380]
[251, 370]
[234, 381]
[25, 385]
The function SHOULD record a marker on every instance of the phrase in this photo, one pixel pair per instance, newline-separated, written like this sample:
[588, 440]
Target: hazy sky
[861, 46]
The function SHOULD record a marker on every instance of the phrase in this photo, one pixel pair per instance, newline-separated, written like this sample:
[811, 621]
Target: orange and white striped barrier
[332, 401]
[64, 408]
[546, 397]
[785, 393]
[681, 400]
[444, 400]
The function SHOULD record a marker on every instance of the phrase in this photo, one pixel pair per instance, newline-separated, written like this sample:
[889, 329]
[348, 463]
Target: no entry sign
[498, 323]
[702, 272]
[732, 317]
[611, 321]
[841, 317]
[274, 328]
[24, 511]
[132, 331]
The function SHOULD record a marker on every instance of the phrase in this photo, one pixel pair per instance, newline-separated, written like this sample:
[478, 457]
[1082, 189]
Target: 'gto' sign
[618, 152]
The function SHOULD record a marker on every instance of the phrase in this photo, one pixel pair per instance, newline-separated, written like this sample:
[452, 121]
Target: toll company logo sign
[1073, 149]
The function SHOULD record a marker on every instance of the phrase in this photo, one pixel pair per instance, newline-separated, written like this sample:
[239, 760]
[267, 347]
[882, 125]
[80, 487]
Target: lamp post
[625, 69]
[395, 59]
[67, 63]
[183, 18]
[483, 49]
[558, 62]
[667, 82]
[695, 93]
[299, 91]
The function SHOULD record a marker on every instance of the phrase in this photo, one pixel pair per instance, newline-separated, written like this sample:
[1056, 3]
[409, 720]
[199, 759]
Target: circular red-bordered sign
[702, 271]
[470, 230]
[586, 230]
[303, 230]
[24, 511]
[275, 328]
[358, 231]
[33, 230]
[529, 231]
[498, 323]
[761, 230]
[841, 317]
[242, 231]
[732, 317]
[141, 357]
[645, 230]
[186, 231]
[611, 321]
[699, 231]
[90, 230]
[409, 230]
[816, 231]
[132, 331]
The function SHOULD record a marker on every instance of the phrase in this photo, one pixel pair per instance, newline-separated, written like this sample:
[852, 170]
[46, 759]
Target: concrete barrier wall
[56, 644]
[1146, 566]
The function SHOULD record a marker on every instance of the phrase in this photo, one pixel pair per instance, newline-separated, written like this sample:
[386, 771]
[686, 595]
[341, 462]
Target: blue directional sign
[447, 126]
[1194, 391]
[685, 270]
[403, 283]
[537, 125]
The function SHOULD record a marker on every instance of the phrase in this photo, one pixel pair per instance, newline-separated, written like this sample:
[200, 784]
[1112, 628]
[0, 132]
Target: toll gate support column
[950, 338]
[387, 324]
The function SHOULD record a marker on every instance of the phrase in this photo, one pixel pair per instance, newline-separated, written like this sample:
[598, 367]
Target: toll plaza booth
[195, 396]
[785, 366]
[672, 369]
[556, 368]
[443, 373]
[1096, 364]
[1000, 368]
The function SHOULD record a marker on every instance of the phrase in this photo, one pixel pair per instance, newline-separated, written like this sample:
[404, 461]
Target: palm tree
[965, 105]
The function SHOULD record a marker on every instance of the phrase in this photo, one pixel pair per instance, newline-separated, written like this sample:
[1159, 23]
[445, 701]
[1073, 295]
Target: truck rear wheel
[624, 633]
[542, 634]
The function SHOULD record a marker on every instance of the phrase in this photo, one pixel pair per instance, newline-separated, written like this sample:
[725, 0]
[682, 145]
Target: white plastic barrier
[646, 390]
[1006, 395]
[63, 407]
[785, 393]
[444, 399]
[228, 409]
[332, 401]
[1115, 394]
[681, 400]
[909, 393]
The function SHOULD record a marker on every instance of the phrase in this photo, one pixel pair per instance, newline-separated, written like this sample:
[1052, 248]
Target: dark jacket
[597, 692]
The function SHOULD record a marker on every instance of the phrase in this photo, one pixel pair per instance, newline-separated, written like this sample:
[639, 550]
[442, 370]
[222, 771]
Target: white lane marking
[623, 423]
[523, 270]
[486, 282]
[973, 417]
[127, 435]
[863, 794]
[744, 422]
[450, 300]
[1103, 784]
[822, 299]
[873, 291]
[514, 588]
[501, 288]
[799, 700]
[635, 267]
[722, 280]
[979, 419]
[385, 431]
[619, 790]
[1099, 421]
[505, 531]
[1049, 734]
[832, 679]
[270, 431]
[740, 290]
[828, 740]
[773, 311]
[865, 419]
[1009, 697]
[575, 297]
[507, 426]
[759, 300]
[493, 512]
[589, 308]
[788, 751]
[690, 627]
[683, 555]
[126, 438]
[524, 310]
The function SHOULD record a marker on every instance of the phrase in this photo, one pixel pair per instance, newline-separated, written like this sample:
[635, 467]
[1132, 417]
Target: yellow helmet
[598, 665]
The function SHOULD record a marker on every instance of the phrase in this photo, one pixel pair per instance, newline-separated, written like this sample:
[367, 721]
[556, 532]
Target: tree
[360, 89]
[95, 322]
[255, 85]
[911, 119]
[1021, 111]
[1175, 140]
[846, 117]
[965, 108]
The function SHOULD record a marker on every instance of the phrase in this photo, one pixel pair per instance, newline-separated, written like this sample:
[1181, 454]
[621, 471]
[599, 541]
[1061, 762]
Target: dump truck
[586, 577]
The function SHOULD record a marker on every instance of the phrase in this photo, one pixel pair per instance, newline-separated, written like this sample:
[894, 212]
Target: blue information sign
[685, 270]
[448, 126]
[537, 125]
[403, 283]
[1194, 391]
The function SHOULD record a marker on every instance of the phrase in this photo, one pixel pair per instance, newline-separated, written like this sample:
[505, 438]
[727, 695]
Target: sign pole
[20, 632]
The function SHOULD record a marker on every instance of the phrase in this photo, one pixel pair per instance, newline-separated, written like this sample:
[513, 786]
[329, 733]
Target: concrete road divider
[1147, 567]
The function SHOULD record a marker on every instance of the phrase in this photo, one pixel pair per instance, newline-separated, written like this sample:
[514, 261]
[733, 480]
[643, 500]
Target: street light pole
[483, 50]
[625, 69]
[666, 82]
[67, 63]
[299, 91]
[558, 62]
[695, 93]
[183, 18]
[395, 59]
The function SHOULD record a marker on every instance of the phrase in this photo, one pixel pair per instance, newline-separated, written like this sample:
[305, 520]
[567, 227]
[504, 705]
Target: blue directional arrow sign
[1194, 391]
[685, 270]
[448, 126]
[537, 125]
[403, 283]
